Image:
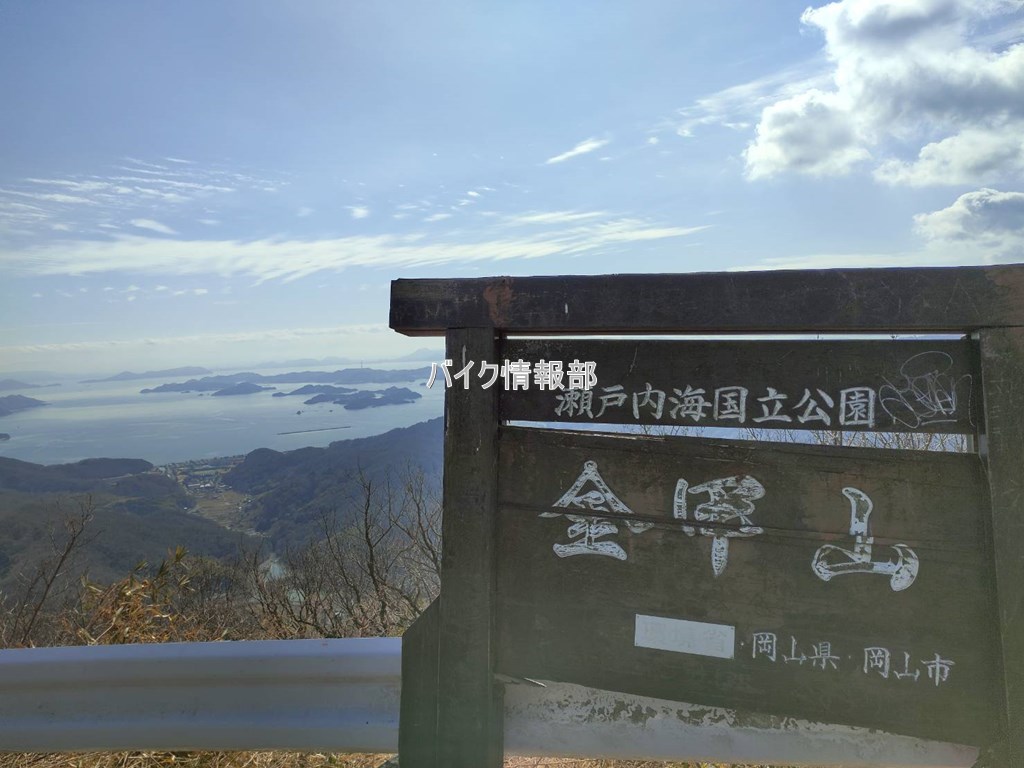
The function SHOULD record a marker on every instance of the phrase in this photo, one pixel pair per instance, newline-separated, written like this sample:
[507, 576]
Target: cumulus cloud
[904, 74]
[584, 147]
[986, 219]
[359, 211]
[811, 133]
[973, 156]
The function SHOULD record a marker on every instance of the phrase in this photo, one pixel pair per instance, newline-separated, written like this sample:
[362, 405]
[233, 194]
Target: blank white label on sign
[682, 636]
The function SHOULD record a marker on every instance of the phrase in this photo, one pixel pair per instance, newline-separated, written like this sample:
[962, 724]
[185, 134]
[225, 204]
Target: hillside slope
[291, 489]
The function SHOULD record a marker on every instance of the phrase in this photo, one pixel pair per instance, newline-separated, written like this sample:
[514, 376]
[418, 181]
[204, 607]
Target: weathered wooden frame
[451, 700]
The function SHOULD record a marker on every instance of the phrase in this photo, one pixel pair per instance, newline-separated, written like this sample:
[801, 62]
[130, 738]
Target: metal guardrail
[343, 695]
[277, 694]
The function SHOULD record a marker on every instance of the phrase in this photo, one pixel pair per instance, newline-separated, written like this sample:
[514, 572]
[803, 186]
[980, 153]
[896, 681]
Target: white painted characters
[730, 502]
[590, 492]
[725, 514]
[831, 561]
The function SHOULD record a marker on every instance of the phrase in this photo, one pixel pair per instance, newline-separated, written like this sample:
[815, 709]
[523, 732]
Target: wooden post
[1002, 447]
[417, 725]
[469, 705]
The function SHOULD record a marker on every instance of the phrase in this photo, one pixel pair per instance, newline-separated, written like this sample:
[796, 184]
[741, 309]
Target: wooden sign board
[882, 386]
[836, 585]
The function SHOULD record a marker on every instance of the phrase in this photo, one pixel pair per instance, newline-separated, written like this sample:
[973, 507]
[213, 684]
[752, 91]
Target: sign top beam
[921, 300]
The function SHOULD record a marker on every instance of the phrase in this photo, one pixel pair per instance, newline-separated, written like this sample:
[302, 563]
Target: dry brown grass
[191, 760]
[288, 760]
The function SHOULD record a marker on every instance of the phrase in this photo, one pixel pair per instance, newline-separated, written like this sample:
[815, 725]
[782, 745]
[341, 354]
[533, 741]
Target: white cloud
[153, 226]
[359, 211]
[811, 133]
[985, 219]
[50, 197]
[554, 217]
[200, 291]
[41, 205]
[437, 217]
[585, 146]
[221, 339]
[736, 106]
[904, 74]
[291, 259]
[74, 186]
[981, 227]
[975, 155]
[303, 212]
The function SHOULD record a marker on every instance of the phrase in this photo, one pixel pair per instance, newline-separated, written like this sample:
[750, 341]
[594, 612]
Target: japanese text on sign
[575, 376]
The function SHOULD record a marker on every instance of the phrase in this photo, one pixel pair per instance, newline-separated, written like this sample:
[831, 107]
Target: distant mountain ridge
[85, 475]
[132, 376]
[6, 385]
[343, 376]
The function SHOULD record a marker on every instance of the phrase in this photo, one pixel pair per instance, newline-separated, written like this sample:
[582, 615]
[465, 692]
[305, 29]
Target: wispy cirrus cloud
[738, 107]
[273, 335]
[584, 147]
[554, 217]
[289, 259]
[152, 226]
[86, 203]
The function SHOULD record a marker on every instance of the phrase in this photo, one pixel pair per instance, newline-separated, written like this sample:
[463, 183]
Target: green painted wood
[893, 386]
[1002, 445]
[469, 714]
[569, 613]
[842, 300]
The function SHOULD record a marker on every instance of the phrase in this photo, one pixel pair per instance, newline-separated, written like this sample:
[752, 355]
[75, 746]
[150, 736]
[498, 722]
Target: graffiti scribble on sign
[731, 500]
[831, 561]
[925, 392]
[591, 493]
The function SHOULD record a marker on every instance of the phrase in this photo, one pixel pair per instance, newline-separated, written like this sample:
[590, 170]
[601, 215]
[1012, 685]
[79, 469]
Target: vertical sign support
[1002, 447]
[469, 708]
[451, 713]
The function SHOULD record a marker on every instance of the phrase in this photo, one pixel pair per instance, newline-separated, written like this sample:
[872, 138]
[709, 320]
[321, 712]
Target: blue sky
[223, 183]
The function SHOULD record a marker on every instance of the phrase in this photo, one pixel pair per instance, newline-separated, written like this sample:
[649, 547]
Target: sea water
[112, 419]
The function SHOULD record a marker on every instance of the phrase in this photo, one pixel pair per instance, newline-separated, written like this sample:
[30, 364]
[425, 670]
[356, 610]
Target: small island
[317, 389]
[14, 403]
[242, 388]
[368, 398]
